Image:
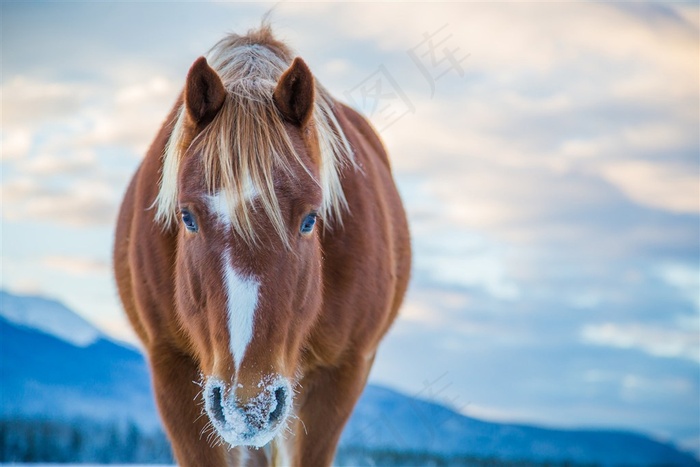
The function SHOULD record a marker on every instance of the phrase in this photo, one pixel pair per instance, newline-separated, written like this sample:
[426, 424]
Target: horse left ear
[294, 94]
[204, 92]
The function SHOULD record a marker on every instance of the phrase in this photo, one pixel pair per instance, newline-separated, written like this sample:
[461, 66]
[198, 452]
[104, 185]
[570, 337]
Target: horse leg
[179, 403]
[329, 397]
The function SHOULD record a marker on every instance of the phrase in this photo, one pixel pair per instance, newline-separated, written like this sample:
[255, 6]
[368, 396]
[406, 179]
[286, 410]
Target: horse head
[244, 182]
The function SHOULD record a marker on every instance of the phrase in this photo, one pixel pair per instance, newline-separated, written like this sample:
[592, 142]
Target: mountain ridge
[49, 316]
[105, 380]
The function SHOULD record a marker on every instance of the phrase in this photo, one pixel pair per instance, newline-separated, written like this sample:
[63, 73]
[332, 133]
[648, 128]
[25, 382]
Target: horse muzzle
[254, 422]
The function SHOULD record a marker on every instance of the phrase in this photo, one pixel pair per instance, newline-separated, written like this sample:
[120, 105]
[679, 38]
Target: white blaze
[242, 299]
[218, 205]
[219, 202]
[241, 291]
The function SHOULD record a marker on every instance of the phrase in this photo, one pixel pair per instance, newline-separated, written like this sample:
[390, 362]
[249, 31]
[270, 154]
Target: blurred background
[547, 155]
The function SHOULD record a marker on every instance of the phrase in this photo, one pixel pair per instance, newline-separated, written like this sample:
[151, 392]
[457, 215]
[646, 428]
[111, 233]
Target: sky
[547, 155]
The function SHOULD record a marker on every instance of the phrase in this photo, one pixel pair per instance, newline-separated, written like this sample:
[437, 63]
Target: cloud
[69, 148]
[513, 40]
[459, 259]
[79, 164]
[595, 104]
[689, 12]
[447, 254]
[73, 115]
[133, 116]
[420, 313]
[27, 286]
[76, 266]
[82, 203]
[684, 278]
[15, 144]
[659, 341]
[673, 188]
[27, 100]
[120, 329]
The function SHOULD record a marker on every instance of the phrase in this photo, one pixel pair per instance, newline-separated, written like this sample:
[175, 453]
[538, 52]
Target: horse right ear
[204, 92]
[294, 93]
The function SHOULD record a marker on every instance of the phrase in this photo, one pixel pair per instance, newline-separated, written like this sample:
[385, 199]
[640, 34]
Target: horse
[261, 254]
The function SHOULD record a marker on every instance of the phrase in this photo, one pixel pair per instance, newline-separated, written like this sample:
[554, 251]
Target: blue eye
[188, 220]
[307, 225]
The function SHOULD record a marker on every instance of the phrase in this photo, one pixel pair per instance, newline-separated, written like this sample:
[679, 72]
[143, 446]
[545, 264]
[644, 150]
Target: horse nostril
[281, 398]
[216, 406]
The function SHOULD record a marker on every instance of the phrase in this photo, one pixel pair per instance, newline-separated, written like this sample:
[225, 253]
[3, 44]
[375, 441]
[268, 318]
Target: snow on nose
[254, 422]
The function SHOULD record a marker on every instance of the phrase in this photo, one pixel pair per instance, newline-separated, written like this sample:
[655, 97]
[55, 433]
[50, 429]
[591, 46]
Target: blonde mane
[247, 139]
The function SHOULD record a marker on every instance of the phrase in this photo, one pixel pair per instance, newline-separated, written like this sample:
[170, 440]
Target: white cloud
[606, 61]
[139, 92]
[75, 115]
[69, 148]
[337, 66]
[655, 136]
[134, 115]
[689, 12]
[517, 38]
[15, 144]
[82, 203]
[119, 328]
[667, 186]
[500, 413]
[637, 386]
[27, 100]
[75, 265]
[420, 313]
[81, 162]
[445, 253]
[684, 278]
[655, 340]
[28, 286]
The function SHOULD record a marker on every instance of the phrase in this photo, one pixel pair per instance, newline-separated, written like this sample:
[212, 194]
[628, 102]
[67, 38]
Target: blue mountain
[44, 376]
[387, 420]
[49, 372]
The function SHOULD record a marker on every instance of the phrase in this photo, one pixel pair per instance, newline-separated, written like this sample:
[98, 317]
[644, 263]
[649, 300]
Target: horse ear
[204, 92]
[294, 94]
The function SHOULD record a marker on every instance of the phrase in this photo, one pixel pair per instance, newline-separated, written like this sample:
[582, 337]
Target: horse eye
[307, 225]
[188, 220]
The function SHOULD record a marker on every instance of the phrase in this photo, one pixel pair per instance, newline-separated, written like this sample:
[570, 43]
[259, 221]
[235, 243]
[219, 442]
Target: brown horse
[261, 254]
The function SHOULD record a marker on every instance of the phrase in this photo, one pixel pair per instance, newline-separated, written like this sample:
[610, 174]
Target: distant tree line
[358, 456]
[81, 441]
[78, 441]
